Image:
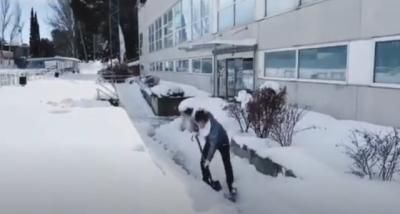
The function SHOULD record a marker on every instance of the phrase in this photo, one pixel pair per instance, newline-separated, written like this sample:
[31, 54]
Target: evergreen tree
[34, 39]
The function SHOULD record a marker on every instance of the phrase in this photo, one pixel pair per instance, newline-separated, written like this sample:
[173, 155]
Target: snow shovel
[216, 185]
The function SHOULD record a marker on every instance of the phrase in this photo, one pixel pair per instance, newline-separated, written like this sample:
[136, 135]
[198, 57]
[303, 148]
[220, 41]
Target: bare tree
[17, 23]
[5, 19]
[63, 20]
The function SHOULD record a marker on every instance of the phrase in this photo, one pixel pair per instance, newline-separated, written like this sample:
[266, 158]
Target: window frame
[376, 84]
[261, 75]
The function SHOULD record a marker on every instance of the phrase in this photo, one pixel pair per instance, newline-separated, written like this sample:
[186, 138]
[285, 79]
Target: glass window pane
[387, 62]
[225, 3]
[182, 66]
[187, 18]
[277, 7]
[196, 66]
[280, 64]
[169, 66]
[245, 10]
[225, 18]
[206, 66]
[205, 14]
[323, 63]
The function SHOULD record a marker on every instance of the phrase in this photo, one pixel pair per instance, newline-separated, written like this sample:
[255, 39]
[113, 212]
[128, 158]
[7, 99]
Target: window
[196, 66]
[226, 13]
[244, 11]
[387, 62]
[182, 19]
[151, 38]
[169, 66]
[182, 65]
[323, 63]
[205, 17]
[140, 44]
[280, 64]
[152, 68]
[202, 65]
[201, 18]
[159, 66]
[235, 12]
[277, 7]
[168, 29]
[159, 33]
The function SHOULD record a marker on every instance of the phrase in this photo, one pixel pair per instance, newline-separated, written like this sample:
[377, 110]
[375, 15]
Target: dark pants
[226, 159]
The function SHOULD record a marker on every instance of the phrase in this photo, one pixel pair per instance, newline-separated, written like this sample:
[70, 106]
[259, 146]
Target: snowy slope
[63, 152]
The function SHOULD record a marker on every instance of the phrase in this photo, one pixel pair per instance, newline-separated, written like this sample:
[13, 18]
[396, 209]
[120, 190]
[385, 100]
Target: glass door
[235, 75]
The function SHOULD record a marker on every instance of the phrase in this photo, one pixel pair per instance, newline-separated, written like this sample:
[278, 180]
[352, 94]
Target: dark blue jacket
[216, 138]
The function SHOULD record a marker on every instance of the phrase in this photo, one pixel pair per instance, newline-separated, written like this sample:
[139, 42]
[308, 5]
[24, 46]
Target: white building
[340, 57]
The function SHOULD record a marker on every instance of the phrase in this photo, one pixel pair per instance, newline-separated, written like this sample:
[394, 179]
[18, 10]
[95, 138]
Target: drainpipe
[255, 67]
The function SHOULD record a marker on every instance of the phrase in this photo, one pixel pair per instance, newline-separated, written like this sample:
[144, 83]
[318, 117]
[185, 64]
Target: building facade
[340, 57]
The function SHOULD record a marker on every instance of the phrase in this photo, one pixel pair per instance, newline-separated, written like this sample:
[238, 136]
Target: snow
[92, 67]
[324, 184]
[166, 88]
[272, 85]
[62, 151]
[243, 98]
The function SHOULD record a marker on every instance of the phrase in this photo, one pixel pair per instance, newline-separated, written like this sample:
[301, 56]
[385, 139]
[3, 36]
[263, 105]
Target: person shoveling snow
[204, 124]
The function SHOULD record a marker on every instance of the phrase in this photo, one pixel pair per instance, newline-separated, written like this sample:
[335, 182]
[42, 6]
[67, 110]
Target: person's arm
[213, 141]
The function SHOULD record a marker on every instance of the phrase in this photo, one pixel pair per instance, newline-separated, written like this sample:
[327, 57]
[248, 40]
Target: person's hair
[201, 116]
[188, 111]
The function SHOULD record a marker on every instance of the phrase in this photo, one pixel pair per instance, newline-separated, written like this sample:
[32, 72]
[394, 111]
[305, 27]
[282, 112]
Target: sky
[43, 12]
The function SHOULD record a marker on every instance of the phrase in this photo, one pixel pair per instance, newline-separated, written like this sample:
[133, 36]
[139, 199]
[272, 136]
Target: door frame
[232, 53]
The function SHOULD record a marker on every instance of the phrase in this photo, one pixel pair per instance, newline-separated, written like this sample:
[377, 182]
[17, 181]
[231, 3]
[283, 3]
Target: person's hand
[194, 135]
[206, 163]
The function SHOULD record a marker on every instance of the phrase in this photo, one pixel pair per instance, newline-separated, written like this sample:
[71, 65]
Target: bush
[118, 73]
[375, 155]
[236, 111]
[284, 128]
[263, 110]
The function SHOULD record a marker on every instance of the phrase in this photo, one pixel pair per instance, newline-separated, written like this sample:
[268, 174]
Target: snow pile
[272, 85]
[166, 88]
[243, 98]
[92, 67]
[86, 160]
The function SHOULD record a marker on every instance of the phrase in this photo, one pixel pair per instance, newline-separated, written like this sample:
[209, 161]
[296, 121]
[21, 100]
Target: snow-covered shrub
[263, 110]
[238, 110]
[284, 129]
[175, 92]
[240, 115]
[375, 155]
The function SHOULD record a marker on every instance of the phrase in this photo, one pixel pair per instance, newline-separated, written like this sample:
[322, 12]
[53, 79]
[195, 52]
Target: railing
[11, 77]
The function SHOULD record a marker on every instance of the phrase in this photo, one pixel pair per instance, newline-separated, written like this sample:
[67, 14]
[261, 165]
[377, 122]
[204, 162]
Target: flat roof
[57, 58]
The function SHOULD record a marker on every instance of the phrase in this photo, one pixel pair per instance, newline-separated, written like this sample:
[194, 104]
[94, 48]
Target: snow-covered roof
[220, 42]
[57, 58]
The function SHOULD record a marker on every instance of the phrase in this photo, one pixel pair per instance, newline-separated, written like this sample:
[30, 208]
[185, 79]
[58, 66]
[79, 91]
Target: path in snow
[62, 152]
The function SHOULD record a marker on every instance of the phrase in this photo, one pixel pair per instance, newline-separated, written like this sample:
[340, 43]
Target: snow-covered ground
[317, 156]
[90, 67]
[62, 151]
